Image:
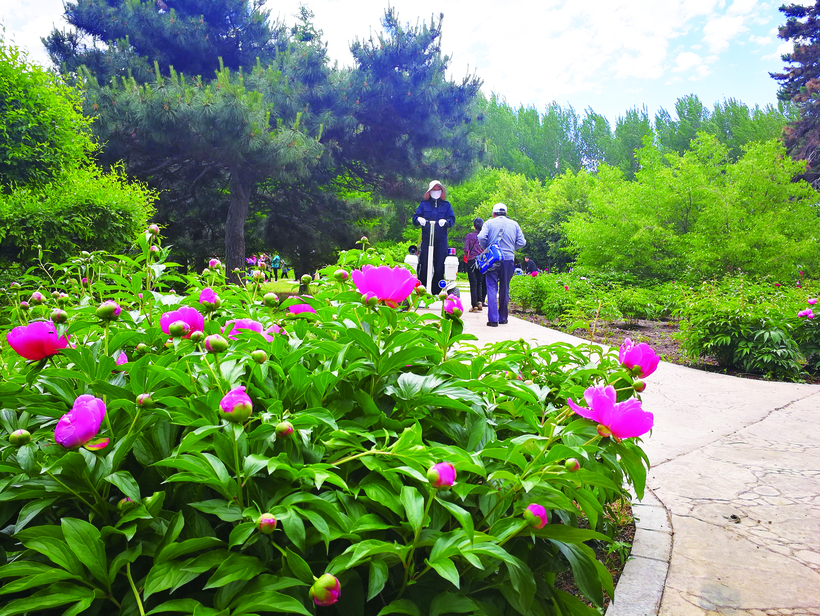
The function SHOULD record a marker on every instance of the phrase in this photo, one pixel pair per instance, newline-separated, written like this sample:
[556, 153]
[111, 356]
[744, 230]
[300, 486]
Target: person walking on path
[275, 262]
[434, 207]
[510, 238]
[478, 288]
[529, 266]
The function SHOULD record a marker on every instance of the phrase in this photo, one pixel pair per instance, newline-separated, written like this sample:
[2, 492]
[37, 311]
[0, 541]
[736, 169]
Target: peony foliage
[370, 460]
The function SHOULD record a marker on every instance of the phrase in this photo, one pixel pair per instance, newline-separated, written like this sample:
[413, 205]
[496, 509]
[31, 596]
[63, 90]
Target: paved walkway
[730, 524]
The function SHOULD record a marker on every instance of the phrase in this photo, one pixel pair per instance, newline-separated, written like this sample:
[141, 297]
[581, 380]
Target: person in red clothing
[478, 286]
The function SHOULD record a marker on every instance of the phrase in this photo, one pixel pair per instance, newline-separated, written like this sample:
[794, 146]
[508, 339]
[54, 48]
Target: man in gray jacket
[510, 238]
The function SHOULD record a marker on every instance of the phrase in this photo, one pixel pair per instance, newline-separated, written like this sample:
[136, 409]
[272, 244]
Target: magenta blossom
[209, 298]
[37, 340]
[191, 316]
[812, 301]
[640, 358]
[37, 298]
[619, 420]
[236, 405]
[453, 306]
[391, 286]
[442, 475]
[533, 274]
[81, 423]
[326, 590]
[236, 325]
[536, 516]
[777, 284]
[122, 358]
[214, 263]
[300, 308]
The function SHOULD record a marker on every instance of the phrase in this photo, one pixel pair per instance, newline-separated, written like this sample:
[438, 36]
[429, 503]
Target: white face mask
[435, 194]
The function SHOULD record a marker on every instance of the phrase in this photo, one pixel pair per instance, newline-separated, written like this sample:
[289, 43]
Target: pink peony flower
[442, 475]
[300, 308]
[566, 288]
[804, 313]
[122, 358]
[533, 274]
[236, 405]
[326, 590]
[536, 516]
[638, 357]
[81, 423]
[391, 286]
[812, 301]
[209, 298]
[195, 321]
[620, 420]
[777, 284]
[37, 340]
[236, 325]
[453, 306]
[214, 263]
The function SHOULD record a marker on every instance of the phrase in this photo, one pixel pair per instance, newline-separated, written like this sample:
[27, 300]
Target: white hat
[433, 184]
[499, 208]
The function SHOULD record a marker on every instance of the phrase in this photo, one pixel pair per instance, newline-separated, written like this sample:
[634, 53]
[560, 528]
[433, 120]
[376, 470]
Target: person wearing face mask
[434, 207]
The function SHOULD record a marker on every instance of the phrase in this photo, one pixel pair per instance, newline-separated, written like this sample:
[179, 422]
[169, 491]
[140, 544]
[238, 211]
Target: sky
[607, 55]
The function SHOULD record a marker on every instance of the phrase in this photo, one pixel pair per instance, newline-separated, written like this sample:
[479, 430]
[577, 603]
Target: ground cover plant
[745, 324]
[174, 444]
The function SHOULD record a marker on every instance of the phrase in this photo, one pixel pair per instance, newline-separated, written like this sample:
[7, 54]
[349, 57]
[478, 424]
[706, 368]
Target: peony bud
[442, 475]
[125, 504]
[177, 329]
[306, 279]
[284, 429]
[37, 298]
[326, 590]
[15, 285]
[24, 306]
[572, 465]
[62, 298]
[442, 295]
[533, 372]
[153, 229]
[266, 523]
[341, 275]
[214, 263]
[145, 401]
[142, 348]
[154, 249]
[638, 385]
[259, 356]
[59, 316]
[20, 437]
[420, 290]
[271, 300]
[216, 344]
[54, 294]
[536, 516]
[258, 275]
[197, 337]
[236, 405]
[108, 311]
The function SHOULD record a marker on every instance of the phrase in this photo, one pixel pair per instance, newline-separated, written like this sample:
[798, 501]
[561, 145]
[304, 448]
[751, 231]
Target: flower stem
[236, 467]
[409, 566]
[134, 589]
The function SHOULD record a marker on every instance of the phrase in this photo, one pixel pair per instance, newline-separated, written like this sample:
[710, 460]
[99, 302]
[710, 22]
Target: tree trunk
[235, 227]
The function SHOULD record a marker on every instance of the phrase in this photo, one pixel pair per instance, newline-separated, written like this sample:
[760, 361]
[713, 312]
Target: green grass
[281, 286]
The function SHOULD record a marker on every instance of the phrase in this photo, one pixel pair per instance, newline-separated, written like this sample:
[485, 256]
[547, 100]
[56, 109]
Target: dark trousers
[478, 285]
[498, 292]
[275, 273]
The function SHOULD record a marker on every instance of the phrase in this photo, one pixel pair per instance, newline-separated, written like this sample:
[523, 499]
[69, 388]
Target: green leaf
[377, 578]
[175, 550]
[581, 558]
[446, 569]
[413, 506]
[54, 596]
[184, 606]
[236, 567]
[268, 601]
[40, 579]
[55, 550]
[462, 515]
[299, 567]
[126, 483]
[128, 556]
[240, 533]
[84, 540]
[294, 528]
[165, 575]
[400, 606]
[451, 603]
[225, 511]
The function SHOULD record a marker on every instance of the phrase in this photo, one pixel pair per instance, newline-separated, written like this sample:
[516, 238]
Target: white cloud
[781, 50]
[761, 40]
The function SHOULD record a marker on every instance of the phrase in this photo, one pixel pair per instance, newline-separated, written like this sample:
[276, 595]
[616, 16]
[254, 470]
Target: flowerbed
[217, 451]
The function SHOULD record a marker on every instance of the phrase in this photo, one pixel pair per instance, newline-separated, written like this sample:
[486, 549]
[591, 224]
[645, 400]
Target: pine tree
[800, 83]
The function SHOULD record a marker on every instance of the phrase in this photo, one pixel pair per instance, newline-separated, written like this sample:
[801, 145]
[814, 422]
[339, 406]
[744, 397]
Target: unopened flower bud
[271, 300]
[20, 437]
[420, 290]
[258, 275]
[145, 401]
[197, 337]
[62, 298]
[153, 229]
[284, 429]
[125, 504]
[37, 298]
[638, 385]
[24, 306]
[341, 275]
[216, 344]
[15, 285]
[326, 590]
[108, 311]
[142, 348]
[306, 279]
[536, 516]
[214, 263]
[442, 475]
[236, 406]
[154, 249]
[572, 465]
[533, 372]
[55, 294]
[266, 523]
[443, 295]
[259, 356]
[59, 315]
[177, 329]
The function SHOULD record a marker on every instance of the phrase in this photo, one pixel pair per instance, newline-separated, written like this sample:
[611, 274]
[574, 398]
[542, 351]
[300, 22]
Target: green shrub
[351, 407]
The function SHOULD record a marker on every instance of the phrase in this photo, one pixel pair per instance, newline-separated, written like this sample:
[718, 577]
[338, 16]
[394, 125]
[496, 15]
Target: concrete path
[730, 524]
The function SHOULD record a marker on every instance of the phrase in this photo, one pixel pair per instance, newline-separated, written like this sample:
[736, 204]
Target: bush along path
[730, 519]
[175, 444]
